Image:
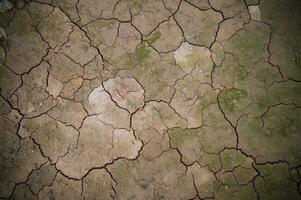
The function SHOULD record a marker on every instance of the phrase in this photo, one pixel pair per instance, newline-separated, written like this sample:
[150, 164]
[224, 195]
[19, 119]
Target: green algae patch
[142, 52]
[283, 123]
[273, 136]
[262, 104]
[153, 38]
[209, 98]
[267, 75]
[198, 112]
[232, 158]
[211, 160]
[244, 175]
[139, 56]
[9, 81]
[250, 44]
[232, 98]
[135, 4]
[255, 126]
[5, 6]
[178, 136]
[20, 26]
[39, 13]
[3, 70]
[240, 73]
[205, 102]
[277, 183]
[157, 112]
[228, 179]
[66, 5]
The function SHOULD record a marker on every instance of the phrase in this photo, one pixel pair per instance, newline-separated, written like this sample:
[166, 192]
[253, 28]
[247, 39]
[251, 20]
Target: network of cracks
[150, 99]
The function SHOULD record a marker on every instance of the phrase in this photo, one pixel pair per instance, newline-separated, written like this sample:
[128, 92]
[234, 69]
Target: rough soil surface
[150, 99]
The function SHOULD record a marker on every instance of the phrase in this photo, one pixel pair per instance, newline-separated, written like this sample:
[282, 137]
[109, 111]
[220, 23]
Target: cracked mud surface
[150, 99]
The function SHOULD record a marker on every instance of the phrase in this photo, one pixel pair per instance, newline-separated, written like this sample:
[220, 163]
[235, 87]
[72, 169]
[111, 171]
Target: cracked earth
[150, 99]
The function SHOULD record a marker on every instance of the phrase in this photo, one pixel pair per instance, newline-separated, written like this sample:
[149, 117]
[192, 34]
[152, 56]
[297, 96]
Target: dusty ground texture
[150, 99]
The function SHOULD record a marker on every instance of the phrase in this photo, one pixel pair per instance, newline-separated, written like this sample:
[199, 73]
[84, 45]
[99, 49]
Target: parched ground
[150, 99]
